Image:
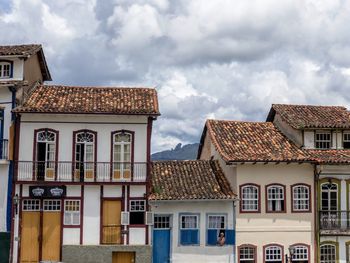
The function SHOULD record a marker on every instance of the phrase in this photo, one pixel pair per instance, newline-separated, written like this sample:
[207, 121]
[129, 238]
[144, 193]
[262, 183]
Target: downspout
[234, 227]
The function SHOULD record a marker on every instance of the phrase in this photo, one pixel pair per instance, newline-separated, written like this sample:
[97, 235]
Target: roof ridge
[309, 105]
[96, 87]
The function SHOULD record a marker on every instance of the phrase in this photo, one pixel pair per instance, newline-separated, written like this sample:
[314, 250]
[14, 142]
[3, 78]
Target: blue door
[161, 239]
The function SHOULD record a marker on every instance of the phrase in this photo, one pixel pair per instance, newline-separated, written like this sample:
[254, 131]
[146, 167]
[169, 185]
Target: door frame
[171, 217]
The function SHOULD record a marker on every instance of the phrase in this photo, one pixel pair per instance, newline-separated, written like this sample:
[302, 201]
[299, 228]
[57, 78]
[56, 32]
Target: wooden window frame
[292, 198]
[241, 199]
[284, 199]
[249, 246]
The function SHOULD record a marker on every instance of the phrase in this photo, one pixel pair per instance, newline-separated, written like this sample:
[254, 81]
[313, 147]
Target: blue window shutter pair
[189, 237]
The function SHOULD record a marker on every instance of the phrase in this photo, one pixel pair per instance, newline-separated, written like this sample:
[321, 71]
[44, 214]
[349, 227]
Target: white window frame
[245, 248]
[88, 164]
[52, 205]
[327, 260]
[271, 257]
[189, 228]
[71, 214]
[276, 199]
[32, 205]
[253, 202]
[137, 206]
[301, 253]
[216, 215]
[163, 223]
[320, 143]
[300, 201]
[122, 164]
[50, 149]
[2, 69]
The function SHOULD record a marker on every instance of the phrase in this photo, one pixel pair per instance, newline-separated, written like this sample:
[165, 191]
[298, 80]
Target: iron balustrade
[334, 220]
[4, 149]
[62, 171]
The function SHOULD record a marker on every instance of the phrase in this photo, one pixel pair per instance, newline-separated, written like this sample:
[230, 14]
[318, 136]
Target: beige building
[275, 182]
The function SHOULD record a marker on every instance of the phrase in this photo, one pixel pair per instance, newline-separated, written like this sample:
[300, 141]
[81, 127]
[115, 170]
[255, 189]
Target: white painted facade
[201, 253]
[18, 68]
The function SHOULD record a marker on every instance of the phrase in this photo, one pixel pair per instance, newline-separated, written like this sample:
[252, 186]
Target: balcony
[334, 222]
[3, 149]
[80, 172]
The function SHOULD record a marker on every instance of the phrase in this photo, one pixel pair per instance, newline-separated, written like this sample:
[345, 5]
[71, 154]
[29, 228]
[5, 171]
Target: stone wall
[103, 253]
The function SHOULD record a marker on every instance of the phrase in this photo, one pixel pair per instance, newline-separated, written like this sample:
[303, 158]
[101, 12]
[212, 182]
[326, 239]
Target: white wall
[201, 253]
[66, 124]
[91, 224]
[309, 139]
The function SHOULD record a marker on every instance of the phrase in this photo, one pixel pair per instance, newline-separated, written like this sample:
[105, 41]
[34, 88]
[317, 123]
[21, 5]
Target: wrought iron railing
[3, 149]
[334, 220]
[80, 171]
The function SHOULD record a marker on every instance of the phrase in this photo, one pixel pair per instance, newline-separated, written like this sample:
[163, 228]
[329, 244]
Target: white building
[21, 67]
[81, 175]
[192, 203]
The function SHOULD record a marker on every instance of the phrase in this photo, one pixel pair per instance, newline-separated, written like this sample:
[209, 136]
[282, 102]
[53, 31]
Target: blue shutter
[230, 237]
[189, 237]
[212, 237]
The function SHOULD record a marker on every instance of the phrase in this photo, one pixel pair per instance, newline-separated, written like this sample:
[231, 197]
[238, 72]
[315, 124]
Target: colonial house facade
[193, 207]
[324, 134]
[275, 182]
[21, 67]
[82, 175]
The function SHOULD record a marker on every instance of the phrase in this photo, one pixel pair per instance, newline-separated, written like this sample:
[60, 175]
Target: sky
[222, 59]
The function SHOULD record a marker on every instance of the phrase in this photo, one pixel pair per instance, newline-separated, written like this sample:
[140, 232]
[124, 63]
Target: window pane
[250, 198]
[273, 254]
[301, 198]
[216, 222]
[328, 254]
[247, 254]
[189, 222]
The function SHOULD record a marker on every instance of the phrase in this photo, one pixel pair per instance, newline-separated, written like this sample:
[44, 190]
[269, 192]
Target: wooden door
[111, 222]
[30, 237]
[123, 257]
[51, 232]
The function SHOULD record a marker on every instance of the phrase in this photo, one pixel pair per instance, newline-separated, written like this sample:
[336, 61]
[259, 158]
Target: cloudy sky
[225, 59]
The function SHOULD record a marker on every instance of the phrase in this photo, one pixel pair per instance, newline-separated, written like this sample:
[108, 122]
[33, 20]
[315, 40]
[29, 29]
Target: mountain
[186, 152]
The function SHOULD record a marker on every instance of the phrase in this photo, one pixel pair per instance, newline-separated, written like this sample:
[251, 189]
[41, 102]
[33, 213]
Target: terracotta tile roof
[308, 116]
[332, 156]
[105, 100]
[19, 50]
[238, 141]
[189, 180]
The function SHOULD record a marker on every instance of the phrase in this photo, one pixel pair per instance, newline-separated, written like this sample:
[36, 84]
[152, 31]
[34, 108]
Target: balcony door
[84, 156]
[329, 205]
[122, 145]
[45, 155]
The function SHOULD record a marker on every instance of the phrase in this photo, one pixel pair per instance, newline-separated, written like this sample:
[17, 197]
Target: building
[275, 182]
[81, 175]
[192, 203]
[21, 68]
[324, 134]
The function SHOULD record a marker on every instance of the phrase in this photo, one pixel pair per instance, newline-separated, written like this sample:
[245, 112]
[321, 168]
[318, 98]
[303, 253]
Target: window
[189, 230]
[84, 155]
[301, 198]
[323, 140]
[161, 222]
[31, 205]
[247, 254]
[137, 212]
[216, 225]
[250, 198]
[3, 143]
[273, 253]
[275, 198]
[45, 154]
[122, 142]
[72, 212]
[301, 254]
[328, 253]
[329, 196]
[346, 140]
[5, 70]
[52, 205]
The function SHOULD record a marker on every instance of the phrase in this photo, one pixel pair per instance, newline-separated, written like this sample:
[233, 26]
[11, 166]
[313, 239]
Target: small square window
[137, 212]
[323, 140]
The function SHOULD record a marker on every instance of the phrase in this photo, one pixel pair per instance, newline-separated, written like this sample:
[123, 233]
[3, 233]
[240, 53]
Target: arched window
[301, 198]
[275, 198]
[273, 253]
[329, 196]
[45, 154]
[250, 194]
[247, 254]
[122, 155]
[5, 69]
[300, 254]
[84, 155]
[328, 253]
